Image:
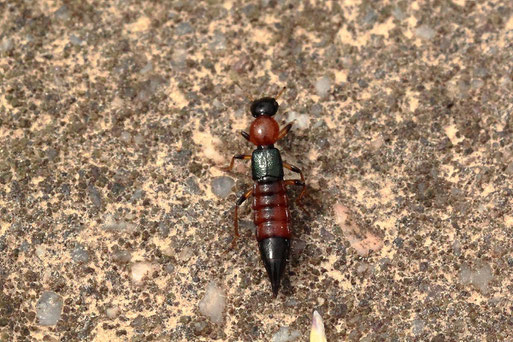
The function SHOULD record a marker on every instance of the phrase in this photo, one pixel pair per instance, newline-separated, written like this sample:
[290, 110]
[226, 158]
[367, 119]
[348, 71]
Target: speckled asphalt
[116, 118]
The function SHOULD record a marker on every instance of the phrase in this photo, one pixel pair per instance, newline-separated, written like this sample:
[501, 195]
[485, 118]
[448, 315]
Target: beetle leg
[245, 135]
[297, 182]
[237, 156]
[284, 131]
[239, 202]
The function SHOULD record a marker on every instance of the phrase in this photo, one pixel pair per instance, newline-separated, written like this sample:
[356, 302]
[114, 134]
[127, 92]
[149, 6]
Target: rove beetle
[270, 204]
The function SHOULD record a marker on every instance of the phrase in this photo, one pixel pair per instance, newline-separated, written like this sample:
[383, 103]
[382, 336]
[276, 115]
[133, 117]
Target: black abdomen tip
[274, 252]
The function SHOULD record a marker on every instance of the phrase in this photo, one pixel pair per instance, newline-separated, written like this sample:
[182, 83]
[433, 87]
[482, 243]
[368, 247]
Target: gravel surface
[116, 118]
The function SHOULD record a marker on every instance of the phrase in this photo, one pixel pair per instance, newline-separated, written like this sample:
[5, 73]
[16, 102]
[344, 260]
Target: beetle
[271, 214]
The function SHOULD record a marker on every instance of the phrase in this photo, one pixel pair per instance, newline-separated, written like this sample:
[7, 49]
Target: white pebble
[112, 312]
[398, 14]
[425, 32]
[126, 136]
[417, 326]
[285, 335]
[222, 186]
[479, 277]
[75, 40]
[219, 42]
[322, 86]
[300, 120]
[213, 303]
[6, 45]
[139, 139]
[179, 57]
[140, 270]
[48, 308]
[476, 83]
[217, 104]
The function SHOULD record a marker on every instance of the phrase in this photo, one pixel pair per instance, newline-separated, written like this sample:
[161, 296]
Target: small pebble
[138, 194]
[122, 256]
[169, 268]
[62, 13]
[456, 247]
[370, 18]
[24, 247]
[6, 45]
[509, 169]
[476, 83]
[185, 254]
[75, 40]
[286, 335]
[219, 42]
[425, 32]
[139, 322]
[222, 186]
[322, 86]
[95, 196]
[217, 104]
[139, 139]
[417, 326]
[140, 270]
[193, 186]
[243, 64]
[398, 242]
[362, 268]
[505, 81]
[48, 308]
[178, 58]
[398, 14]
[126, 137]
[213, 303]
[183, 28]
[112, 312]
[111, 224]
[79, 254]
[199, 327]
[300, 120]
[479, 277]
[51, 153]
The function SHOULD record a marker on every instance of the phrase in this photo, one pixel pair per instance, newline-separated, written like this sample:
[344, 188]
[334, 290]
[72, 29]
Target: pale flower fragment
[317, 333]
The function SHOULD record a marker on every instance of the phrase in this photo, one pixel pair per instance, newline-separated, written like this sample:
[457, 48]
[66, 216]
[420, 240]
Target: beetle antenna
[281, 92]
[248, 95]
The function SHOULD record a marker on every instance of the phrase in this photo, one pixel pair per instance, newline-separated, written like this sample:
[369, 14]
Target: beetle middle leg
[297, 182]
[237, 156]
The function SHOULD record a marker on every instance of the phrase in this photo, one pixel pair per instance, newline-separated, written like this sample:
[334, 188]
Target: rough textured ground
[116, 116]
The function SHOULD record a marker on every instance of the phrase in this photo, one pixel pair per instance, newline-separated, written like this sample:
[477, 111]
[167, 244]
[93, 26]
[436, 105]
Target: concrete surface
[116, 116]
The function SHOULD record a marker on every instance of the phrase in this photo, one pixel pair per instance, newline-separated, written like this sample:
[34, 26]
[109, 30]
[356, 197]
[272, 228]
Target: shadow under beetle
[270, 203]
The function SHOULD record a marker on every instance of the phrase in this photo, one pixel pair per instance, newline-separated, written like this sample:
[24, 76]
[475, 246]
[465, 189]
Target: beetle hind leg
[236, 234]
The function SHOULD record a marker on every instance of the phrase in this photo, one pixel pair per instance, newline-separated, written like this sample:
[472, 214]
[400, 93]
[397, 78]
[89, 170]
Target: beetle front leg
[284, 131]
[237, 156]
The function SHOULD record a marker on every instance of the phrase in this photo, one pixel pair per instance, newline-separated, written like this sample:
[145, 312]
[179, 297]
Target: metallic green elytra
[266, 164]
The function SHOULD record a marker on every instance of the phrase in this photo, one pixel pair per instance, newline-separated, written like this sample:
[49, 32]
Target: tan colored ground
[115, 118]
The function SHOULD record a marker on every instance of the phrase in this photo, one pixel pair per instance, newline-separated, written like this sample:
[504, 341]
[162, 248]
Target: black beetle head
[264, 106]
